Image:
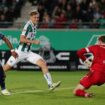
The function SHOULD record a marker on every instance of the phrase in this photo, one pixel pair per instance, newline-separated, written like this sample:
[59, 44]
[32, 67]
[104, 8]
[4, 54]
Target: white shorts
[29, 56]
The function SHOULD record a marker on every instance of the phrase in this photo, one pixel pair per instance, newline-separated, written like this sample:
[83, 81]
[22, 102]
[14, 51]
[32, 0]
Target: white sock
[48, 78]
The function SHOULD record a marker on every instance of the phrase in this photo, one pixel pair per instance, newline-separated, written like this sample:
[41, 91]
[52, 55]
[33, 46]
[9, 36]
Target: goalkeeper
[96, 75]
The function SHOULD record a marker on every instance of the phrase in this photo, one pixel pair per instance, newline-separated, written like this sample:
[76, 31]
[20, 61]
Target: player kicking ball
[27, 38]
[96, 75]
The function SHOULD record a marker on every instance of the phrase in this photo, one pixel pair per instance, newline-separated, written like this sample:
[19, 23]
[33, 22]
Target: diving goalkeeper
[96, 75]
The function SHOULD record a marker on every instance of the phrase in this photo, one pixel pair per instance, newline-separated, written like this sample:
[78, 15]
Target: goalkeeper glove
[88, 63]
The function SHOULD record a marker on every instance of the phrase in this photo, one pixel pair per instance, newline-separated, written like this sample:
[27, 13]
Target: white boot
[54, 85]
[5, 92]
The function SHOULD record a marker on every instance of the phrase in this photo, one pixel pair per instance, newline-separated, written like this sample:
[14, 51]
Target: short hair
[102, 38]
[33, 12]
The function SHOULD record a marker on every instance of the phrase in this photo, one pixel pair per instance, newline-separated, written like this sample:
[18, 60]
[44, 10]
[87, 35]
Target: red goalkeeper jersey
[98, 52]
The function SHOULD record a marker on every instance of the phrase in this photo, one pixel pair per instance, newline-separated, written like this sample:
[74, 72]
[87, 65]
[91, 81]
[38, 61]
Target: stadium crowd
[60, 13]
[10, 10]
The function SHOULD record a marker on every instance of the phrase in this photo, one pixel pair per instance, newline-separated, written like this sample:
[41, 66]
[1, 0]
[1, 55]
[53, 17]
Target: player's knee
[6, 67]
[42, 64]
[75, 90]
[79, 87]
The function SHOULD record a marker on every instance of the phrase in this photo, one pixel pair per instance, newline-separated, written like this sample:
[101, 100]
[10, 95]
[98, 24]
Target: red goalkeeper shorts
[93, 78]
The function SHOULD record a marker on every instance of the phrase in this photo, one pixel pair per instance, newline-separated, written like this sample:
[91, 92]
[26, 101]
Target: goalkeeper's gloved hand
[88, 63]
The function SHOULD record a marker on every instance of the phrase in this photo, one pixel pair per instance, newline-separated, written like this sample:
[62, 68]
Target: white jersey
[29, 31]
[23, 49]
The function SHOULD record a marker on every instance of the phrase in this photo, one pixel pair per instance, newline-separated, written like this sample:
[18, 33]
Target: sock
[48, 78]
[80, 92]
[2, 78]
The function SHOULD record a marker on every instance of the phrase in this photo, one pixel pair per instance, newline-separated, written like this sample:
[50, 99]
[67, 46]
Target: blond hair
[33, 12]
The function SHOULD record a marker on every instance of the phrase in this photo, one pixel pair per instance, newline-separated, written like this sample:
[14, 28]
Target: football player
[27, 38]
[96, 75]
[4, 91]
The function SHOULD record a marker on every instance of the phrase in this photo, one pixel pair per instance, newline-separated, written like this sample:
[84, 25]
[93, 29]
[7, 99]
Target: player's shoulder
[27, 24]
[98, 47]
[93, 47]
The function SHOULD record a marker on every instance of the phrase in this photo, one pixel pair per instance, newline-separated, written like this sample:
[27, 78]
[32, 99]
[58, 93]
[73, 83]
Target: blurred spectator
[41, 10]
[9, 14]
[2, 18]
[69, 12]
[46, 23]
[97, 14]
[61, 20]
[56, 13]
[101, 22]
[78, 13]
[10, 10]
[73, 24]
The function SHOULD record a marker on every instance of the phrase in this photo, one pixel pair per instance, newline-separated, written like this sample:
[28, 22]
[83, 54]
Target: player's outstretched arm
[23, 39]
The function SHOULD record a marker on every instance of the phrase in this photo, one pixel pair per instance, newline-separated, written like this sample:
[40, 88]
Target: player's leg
[2, 78]
[38, 60]
[42, 64]
[7, 67]
[84, 84]
[10, 63]
[4, 91]
[80, 91]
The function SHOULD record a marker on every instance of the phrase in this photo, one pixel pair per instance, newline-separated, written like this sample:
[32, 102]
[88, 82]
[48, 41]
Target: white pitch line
[38, 91]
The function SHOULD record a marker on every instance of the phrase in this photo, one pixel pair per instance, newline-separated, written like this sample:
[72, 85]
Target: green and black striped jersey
[29, 31]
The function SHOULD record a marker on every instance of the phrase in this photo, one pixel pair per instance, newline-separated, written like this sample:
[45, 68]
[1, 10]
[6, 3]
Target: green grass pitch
[30, 88]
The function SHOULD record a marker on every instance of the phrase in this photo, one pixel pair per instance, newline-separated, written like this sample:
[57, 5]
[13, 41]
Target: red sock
[80, 92]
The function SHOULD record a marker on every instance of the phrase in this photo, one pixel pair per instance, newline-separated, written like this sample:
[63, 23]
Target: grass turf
[30, 88]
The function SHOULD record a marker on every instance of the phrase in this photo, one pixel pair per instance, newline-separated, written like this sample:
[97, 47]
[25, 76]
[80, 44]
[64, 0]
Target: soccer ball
[89, 56]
